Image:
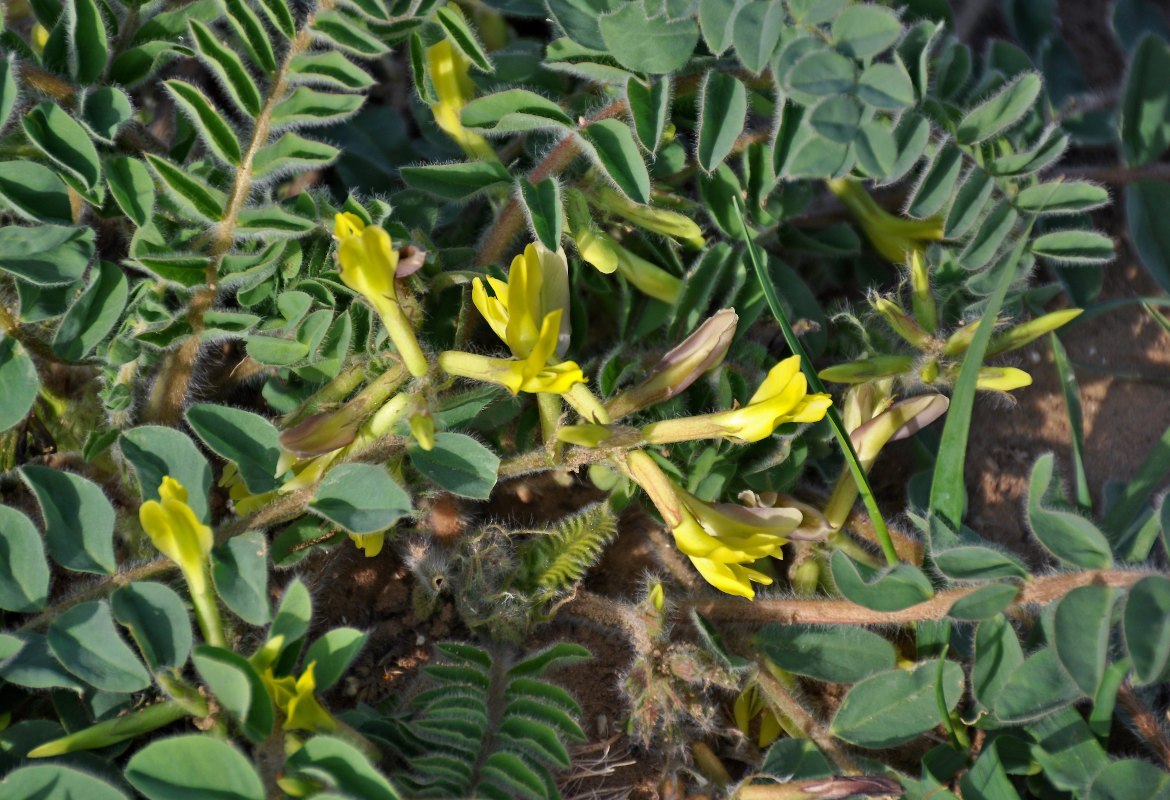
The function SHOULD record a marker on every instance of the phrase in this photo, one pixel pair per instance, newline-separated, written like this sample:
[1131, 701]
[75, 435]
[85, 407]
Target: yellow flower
[293, 696]
[530, 374]
[177, 533]
[448, 71]
[782, 397]
[721, 539]
[369, 543]
[368, 263]
[538, 285]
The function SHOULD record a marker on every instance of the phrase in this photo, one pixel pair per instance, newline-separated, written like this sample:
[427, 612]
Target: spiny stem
[783, 702]
[1040, 591]
[1145, 723]
[511, 216]
[847, 449]
[170, 387]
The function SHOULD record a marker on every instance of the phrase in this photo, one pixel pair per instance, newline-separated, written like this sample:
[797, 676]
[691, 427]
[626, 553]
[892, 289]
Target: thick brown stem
[1040, 591]
[782, 700]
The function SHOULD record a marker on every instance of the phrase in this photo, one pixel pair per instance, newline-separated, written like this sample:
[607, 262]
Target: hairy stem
[783, 702]
[1145, 723]
[1040, 591]
[170, 388]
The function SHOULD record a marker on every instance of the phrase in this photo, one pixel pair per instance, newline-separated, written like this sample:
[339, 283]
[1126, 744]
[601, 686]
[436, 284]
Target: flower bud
[900, 321]
[867, 369]
[922, 298]
[699, 353]
[659, 220]
[958, 342]
[584, 435]
[1022, 334]
[649, 278]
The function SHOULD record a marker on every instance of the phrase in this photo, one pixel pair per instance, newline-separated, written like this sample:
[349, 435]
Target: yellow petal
[493, 309]
[731, 579]
[777, 379]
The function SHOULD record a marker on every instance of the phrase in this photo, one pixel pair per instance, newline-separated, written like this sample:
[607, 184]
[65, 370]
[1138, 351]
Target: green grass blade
[867, 496]
[1072, 402]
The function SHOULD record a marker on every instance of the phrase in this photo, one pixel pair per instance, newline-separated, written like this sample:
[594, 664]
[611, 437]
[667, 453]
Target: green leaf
[47, 255]
[272, 222]
[1145, 204]
[1050, 147]
[64, 142]
[281, 16]
[974, 562]
[158, 622]
[79, 520]
[292, 622]
[94, 314]
[619, 157]
[985, 602]
[85, 40]
[991, 233]
[132, 188]
[458, 463]
[863, 31]
[105, 111]
[86, 642]
[228, 67]
[1066, 750]
[35, 667]
[1068, 536]
[19, 384]
[333, 653]
[348, 35]
[649, 109]
[238, 688]
[1146, 627]
[8, 90]
[456, 181]
[890, 589]
[34, 192]
[987, 779]
[886, 86]
[196, 197]
[1145, 105]
[911, 136]
[514, 110]
[642, 44]
[559, 655]
[340, 765]
[1000, 112]
[292, 153]
[155, 452]
[796, 759]
[56, 782]
[840, 654]
[212, 127]
[715, 20]
[1062, 197]
[1036, 688]
[1130, 779]
[1074, 247]
[361, 498]
[305, 106]
[461, 34]
[251, 32]
[821, 73]
[756, 31]
[893, 707]
[239, 568]
[1080, 634]
[969, 203]
[938, 183]
[542, 203]
[24, 572]
[836, 119]
[247, 439]
[330, 68]
[721, 118]
[579, 19]
[177, 769]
